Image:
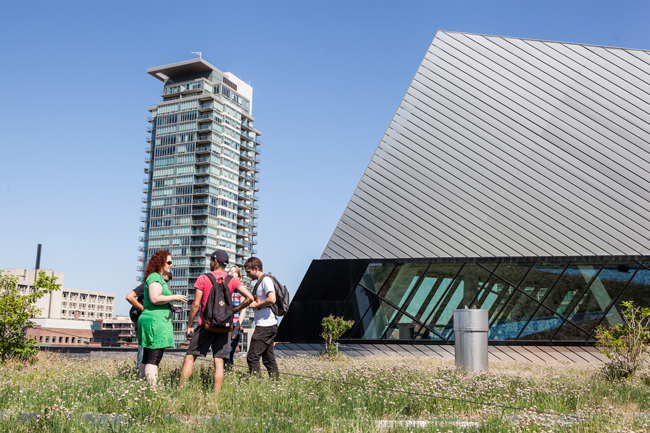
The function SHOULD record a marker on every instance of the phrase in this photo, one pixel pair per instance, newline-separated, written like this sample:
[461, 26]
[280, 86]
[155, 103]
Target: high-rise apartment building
[201, 183]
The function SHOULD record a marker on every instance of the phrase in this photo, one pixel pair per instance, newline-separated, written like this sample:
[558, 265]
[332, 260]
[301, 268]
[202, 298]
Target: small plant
[626, 345]
[333, 328]
[16, 310]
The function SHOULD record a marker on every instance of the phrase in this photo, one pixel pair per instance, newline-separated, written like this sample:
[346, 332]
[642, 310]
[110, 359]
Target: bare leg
[141, 370]
[188, 366]
[151, 372]
[218, 375]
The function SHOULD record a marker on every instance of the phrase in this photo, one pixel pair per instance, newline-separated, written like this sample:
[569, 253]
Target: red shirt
[205, 285]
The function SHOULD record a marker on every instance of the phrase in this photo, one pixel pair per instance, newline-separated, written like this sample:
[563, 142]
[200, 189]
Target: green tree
[333, 328]
[626, 345]
[16, 312]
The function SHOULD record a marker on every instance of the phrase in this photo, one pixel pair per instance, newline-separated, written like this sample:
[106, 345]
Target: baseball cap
[220, 255]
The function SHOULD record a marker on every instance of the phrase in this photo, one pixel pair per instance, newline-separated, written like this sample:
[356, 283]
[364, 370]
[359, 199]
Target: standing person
[201, 340]
[136, 298]
[266, 324]
[235, 272]
[155, 327]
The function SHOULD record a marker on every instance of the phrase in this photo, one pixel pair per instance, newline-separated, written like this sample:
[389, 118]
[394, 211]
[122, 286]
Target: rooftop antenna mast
[197, 52]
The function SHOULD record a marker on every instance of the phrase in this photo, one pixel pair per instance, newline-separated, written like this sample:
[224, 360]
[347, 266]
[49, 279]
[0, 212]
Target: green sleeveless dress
[155, 325]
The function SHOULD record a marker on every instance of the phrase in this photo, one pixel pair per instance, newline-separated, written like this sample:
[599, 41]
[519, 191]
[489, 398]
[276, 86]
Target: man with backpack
[266, 292]
[213, 302]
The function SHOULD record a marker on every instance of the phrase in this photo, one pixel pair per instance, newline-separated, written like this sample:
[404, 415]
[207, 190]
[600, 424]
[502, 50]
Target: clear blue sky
[327, 78]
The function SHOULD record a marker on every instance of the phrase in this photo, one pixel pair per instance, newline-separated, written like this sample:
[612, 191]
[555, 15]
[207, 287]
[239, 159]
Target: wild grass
[58, 391]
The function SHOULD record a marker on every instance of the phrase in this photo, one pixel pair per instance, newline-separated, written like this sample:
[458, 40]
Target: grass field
[58, 391]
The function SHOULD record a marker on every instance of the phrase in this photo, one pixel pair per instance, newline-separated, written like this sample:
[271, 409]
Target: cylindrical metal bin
[471, 339]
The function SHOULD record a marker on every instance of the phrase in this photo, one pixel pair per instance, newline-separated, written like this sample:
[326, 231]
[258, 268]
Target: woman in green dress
[155, 325]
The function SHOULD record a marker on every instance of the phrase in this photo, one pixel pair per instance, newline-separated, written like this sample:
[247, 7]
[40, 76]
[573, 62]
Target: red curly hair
[156, 262]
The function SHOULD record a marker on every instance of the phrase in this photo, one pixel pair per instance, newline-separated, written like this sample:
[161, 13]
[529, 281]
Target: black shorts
[152, 356]
[203, 340]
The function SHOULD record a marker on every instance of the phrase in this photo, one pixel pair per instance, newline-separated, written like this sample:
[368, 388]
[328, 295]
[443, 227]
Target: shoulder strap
[227, 280]
[258, 284]
[211, 277]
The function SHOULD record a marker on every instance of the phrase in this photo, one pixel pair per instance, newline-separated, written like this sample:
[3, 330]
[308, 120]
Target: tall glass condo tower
[201, 174]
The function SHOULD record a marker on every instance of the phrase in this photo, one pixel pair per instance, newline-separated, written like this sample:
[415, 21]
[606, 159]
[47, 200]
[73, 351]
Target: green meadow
[63, 394]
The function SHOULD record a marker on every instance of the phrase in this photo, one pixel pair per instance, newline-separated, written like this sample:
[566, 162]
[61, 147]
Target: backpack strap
[259, 281]
[211, 277]
[226, 281]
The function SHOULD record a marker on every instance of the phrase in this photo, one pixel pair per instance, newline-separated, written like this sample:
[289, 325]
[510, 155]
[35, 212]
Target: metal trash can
[471, 339]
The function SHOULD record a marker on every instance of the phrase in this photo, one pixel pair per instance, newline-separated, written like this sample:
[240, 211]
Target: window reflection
[543, 301]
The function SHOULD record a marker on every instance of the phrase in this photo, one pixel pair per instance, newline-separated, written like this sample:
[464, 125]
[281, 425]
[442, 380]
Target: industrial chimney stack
[38, 258]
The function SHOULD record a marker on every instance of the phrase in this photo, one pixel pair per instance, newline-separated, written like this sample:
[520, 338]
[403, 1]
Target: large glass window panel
[573, 283]
[402, 282]
[587, 311]
[637, 290]
[405, 327]
[376, 275]
[380, 322]
[499, 288]
[511, 319]
[570, 332]
[513, 273]
[515, 308]
[357, 305]
[461, 293]
[392, 330]
[366, 323]
[542, 326]
[541, 278]
[399, 288]
[428, 297]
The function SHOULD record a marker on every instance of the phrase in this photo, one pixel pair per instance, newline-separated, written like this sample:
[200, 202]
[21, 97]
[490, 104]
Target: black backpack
[282, 298]
[218, 312]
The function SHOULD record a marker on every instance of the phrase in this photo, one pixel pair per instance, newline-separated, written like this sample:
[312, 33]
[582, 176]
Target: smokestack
[38, 257]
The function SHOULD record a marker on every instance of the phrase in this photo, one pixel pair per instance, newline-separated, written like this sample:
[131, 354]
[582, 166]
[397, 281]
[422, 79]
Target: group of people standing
[154, 307]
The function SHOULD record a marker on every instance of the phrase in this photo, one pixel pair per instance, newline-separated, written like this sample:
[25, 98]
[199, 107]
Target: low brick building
[61, 332]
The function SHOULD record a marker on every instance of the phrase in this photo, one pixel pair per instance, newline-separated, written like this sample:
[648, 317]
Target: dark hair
[219, 264]
[253, 262]
[156, 262]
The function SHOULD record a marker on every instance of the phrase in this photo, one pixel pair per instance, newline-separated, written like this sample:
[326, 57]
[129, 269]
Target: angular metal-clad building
[514, 177]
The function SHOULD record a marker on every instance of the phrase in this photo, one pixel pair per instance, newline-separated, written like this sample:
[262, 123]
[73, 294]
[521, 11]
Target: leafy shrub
[333, 328]
[16, 310]
[626, 345]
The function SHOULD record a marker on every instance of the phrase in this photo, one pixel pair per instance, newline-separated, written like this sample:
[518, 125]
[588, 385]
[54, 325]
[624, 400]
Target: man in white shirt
[266, 324]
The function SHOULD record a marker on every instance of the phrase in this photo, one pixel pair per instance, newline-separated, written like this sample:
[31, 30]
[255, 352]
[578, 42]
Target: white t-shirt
[265, 316]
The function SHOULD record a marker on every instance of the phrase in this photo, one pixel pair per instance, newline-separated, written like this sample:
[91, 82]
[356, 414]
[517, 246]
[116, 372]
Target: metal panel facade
[507, 147]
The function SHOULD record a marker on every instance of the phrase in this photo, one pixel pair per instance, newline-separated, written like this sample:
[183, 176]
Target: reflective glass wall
[527, 302]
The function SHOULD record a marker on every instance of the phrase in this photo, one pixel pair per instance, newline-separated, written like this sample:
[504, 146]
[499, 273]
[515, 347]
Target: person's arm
[196, 306]
[270, 300]
[132, 299]
[248, 299]
[157, 298]
[242, 316]
[270, 297]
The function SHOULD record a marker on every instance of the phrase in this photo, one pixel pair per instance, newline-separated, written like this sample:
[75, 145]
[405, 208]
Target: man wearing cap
[201, 340]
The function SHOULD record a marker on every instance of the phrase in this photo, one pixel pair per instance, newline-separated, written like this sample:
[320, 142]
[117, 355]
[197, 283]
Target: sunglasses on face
[169, 263]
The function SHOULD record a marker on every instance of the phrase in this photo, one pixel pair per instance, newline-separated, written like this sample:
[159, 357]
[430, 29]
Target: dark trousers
[261, 344]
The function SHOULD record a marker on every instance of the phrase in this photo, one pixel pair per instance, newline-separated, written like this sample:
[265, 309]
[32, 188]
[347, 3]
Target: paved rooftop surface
[536, 354]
